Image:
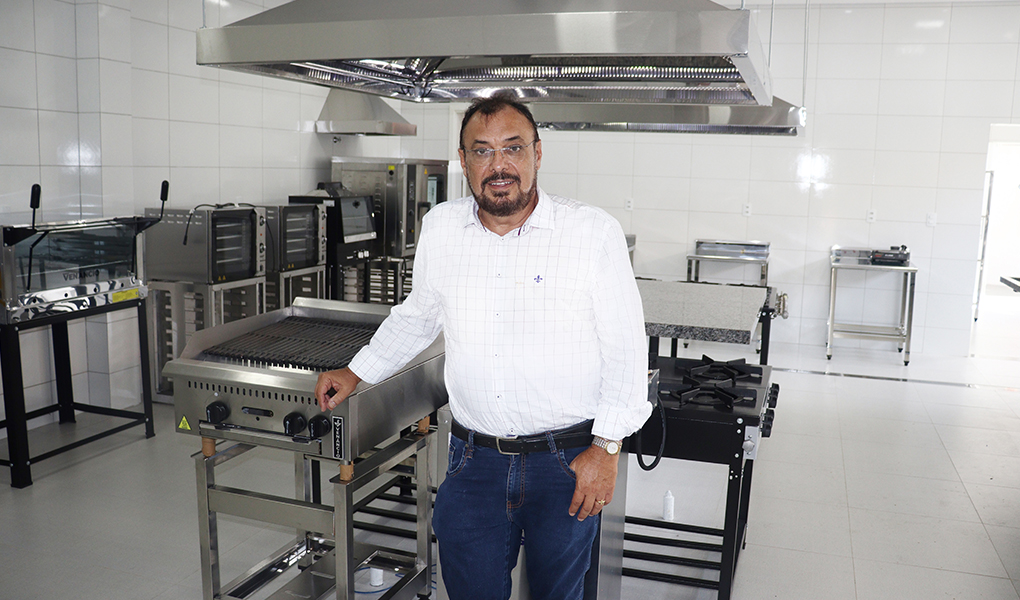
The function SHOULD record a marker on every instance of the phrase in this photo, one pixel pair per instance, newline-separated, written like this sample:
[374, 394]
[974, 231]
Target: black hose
[662, 444]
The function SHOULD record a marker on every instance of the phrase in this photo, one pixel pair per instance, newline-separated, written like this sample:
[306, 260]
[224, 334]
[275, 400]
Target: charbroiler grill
[252, 382]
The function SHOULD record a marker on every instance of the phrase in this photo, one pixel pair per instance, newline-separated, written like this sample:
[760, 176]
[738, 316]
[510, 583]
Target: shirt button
[513, 431]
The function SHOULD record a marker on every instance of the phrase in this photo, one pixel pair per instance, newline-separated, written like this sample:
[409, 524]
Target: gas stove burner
[714, 371]
[722, 396]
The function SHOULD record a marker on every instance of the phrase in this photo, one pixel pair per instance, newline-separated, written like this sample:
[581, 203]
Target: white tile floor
[901, 485]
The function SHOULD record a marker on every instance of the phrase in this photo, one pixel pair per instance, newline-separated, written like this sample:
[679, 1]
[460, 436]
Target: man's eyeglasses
[482, 156]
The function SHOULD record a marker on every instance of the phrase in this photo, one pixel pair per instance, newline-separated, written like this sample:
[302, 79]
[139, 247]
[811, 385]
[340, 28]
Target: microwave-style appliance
[402, 190]
[214, 245]
[350, 230]
[295, 237]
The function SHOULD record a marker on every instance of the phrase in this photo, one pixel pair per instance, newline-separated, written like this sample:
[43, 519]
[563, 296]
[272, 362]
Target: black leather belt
[571, 437]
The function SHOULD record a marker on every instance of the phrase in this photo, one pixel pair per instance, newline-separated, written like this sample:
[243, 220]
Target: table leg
[208, 534]
[62, 367]
[731, 543]
[14, 405]
[143, 355]
[911, 280]
[832, 311]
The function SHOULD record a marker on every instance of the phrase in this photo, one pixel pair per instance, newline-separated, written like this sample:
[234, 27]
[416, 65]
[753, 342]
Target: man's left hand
[596, 479]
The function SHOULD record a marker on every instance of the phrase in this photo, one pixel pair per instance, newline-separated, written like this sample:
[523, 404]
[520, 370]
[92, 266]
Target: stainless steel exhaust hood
[607, 52]
[782, 118]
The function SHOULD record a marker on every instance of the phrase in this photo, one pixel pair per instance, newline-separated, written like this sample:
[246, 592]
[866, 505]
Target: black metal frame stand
[710, 441]
[16, 421]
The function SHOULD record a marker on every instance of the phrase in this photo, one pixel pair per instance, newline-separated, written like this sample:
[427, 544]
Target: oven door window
[233, 245]
[300, 237]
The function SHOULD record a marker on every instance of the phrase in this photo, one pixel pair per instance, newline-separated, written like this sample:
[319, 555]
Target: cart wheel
[686, 344]
[829, 357]
[906, 362]
[899, 349]
[757, 350]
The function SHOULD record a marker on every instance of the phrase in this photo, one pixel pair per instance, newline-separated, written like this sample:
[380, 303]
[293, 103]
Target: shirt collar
[543, 217]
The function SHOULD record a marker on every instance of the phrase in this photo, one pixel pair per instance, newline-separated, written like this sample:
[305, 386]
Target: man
[545, 362]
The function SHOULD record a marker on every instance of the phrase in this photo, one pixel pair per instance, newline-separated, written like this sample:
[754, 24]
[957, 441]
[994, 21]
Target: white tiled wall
[101, 101]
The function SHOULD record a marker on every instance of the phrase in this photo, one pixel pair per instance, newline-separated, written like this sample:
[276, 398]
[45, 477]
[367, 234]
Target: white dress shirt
[543, 326]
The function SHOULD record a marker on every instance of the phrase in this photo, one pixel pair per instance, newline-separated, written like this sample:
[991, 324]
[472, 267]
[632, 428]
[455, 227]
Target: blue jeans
[485, 505]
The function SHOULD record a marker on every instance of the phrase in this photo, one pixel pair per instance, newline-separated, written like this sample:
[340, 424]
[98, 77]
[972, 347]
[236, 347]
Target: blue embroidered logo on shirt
[538, 279]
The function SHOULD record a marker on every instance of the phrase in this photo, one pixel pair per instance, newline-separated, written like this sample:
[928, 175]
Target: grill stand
[16, 421]
[327, 568]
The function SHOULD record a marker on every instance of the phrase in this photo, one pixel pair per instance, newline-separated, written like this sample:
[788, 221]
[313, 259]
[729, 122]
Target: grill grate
[297, 342]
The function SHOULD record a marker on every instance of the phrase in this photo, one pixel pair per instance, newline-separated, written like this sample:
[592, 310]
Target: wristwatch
[610, 446]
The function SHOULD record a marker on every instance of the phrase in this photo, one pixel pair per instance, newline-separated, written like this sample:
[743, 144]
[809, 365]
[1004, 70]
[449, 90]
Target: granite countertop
[701, 311]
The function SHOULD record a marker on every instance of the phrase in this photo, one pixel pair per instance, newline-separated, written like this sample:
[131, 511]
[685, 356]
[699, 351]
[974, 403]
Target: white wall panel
[906, 133]
[114, 33]
[150, 142]
[912, 97]
[853, 132]
[150, 94]
[58, 138]
[149, 46]
[979, 99]
[58, 83]
[719, 195]
[982, 61]
[62, 192]
[663, 193]
[779, 198]
[54, 28]
[194, 99]
[996, 23]
[19, 136]
[916, 24]
[154, 11]
[17, 29]
[115, 87]
[849, 61]
[914, 61]
[18, 68]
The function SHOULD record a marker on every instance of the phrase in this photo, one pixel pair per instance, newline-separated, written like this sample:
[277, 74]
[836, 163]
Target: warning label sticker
[184, 424]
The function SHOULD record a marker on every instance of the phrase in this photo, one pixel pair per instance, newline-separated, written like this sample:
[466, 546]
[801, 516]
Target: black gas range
[711, 411]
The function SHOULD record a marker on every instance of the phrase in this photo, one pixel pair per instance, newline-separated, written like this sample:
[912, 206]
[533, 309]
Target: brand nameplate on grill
[338, 438]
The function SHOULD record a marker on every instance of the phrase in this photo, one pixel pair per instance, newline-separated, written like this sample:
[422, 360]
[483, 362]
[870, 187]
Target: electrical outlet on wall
[931, 219]
[870, 218]
[747, 210]
[628, 204]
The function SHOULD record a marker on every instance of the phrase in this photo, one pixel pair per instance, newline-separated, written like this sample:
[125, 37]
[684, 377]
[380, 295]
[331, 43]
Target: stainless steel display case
[58, 268]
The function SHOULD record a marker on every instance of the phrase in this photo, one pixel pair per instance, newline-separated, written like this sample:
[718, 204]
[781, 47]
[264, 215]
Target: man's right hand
[342, 382]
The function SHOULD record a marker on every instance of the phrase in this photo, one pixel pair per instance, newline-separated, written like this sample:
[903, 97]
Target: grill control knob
[217, 412]
[294, 423]
[318, 426]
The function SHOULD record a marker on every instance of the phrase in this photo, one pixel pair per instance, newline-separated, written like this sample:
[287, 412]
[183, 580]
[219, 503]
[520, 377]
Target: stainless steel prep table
[708, 312]
[897, 333]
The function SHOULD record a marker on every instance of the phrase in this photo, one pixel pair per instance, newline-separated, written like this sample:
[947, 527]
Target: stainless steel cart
[860, 259]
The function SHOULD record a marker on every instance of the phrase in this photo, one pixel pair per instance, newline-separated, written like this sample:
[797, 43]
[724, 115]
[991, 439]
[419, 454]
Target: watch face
[612, 447]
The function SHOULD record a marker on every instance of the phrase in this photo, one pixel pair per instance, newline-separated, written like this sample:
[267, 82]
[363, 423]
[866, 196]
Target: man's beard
[503, 204]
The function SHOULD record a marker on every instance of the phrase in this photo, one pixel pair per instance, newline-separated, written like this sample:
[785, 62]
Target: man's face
[502, 186]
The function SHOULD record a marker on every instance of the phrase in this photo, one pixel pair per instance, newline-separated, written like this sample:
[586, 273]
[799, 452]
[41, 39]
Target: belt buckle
[500, 450]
